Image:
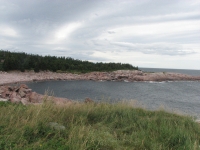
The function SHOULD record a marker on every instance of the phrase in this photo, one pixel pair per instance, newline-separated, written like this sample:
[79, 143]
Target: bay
[183, 97]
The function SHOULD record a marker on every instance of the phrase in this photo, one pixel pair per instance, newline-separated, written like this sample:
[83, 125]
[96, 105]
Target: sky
[144, 33]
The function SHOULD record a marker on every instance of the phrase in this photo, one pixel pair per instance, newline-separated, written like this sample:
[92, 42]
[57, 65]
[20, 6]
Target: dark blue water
[182, 71]
[173, 96]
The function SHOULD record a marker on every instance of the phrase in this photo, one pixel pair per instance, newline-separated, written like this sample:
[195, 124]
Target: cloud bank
[147, 33]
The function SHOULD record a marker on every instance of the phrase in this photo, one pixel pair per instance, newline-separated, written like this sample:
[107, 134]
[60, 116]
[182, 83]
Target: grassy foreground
[100, 126]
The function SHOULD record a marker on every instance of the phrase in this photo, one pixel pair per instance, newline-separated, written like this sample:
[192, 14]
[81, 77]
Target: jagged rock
[25, 101]
[14, 98]
[1, 90]
[10, 88]
[2, 95]
[24, 86]
[17, 89]
[35, 98]
[27, 91]
[22, 93]
[25, 95]
[6, 94]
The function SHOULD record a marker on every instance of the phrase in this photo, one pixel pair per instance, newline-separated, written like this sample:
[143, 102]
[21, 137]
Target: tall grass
[94, 126]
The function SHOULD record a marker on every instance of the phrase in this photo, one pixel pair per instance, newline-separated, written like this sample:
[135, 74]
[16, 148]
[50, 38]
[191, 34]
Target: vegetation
[23, 61]
[94, 126]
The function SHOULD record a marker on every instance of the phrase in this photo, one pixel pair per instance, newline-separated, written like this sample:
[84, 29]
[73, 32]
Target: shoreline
[11, 90]
[17, 77]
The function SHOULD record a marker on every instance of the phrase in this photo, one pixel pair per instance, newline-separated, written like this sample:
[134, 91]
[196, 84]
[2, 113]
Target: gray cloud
[157, 48]
[81, 28]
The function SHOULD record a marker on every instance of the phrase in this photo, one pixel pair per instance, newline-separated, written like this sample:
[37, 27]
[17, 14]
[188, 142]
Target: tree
[36, 68]
[22, 61]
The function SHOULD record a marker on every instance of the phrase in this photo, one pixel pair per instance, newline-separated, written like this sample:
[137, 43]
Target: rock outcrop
[22, 94]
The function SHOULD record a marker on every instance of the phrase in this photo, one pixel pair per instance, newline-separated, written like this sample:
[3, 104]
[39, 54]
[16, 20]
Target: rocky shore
[23, 94]
[120, 75]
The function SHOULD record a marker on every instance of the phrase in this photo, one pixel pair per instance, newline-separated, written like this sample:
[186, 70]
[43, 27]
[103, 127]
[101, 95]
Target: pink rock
[1, 91]
[14, 98]
[25, 101]
[35, 98]
[27, 91]
[22, 93]
[10, 88]
[24, 86]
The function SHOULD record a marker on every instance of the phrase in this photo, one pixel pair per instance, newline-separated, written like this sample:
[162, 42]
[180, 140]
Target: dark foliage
[22, 61]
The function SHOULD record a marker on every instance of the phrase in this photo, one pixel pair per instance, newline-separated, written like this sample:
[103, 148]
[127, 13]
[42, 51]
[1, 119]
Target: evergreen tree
[23, 61]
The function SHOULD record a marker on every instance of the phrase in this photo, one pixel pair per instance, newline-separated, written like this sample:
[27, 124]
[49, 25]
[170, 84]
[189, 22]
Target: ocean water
[182, 97]
[182, 71]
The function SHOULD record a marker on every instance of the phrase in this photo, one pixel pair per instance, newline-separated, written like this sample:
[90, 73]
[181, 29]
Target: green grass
[94, 126]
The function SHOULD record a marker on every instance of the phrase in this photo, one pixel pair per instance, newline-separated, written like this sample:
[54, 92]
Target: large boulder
[35, 97]
[5, 92]
[15, 98]
[25, 101]
[22, 93]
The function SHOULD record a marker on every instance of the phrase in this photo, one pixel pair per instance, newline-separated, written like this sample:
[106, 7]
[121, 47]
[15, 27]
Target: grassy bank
[94, 126]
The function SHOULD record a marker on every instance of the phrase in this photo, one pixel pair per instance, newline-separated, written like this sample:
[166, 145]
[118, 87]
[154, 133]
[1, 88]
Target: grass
[95, 126]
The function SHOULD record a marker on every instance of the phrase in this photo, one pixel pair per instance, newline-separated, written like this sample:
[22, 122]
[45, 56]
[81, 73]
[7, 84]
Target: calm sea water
[183, 71]
[181, 97]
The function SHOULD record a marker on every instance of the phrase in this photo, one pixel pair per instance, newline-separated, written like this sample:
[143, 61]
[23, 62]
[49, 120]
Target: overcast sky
[144, 33]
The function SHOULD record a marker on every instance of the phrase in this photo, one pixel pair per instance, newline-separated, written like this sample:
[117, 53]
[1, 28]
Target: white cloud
[110, 56]
[66, 30]
[154, 30]
[59, 48]
[168, 17]
[153, 60]
[62, 34]
[161, 48]
[7, 31]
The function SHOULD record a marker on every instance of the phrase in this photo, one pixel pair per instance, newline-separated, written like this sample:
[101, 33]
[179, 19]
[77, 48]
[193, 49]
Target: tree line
[23, 61]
